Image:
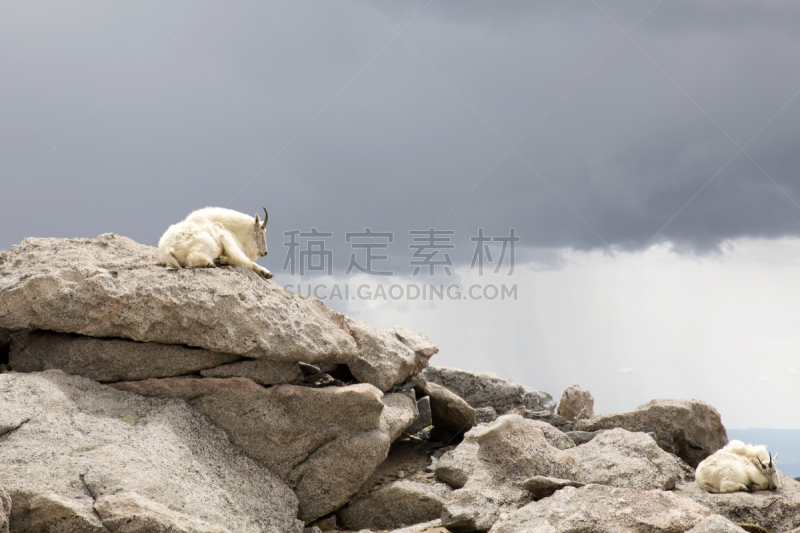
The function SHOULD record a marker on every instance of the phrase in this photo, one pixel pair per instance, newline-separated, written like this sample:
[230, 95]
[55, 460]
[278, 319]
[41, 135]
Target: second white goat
[738, 467]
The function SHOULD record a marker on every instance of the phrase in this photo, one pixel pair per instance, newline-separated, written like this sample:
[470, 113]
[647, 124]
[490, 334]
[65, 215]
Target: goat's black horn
[770, 460]
[266, 216]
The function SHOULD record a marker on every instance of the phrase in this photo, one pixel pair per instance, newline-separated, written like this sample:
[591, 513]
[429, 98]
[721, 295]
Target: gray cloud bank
[617, 141]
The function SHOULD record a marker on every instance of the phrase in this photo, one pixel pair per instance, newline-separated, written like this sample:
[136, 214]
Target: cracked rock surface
[73, 447]
[324, 443]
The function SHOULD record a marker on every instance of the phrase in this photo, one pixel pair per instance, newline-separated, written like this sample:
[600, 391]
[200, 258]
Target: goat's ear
[774, 458]
[258, 220]
[266, 217]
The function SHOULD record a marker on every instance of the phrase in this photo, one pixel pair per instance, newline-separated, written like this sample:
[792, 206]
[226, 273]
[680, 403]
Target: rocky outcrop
[601, 508]
[623, 459]
[496, 460]
[486, 389]
[71, 444]
[324, 443]
[107, 360]
[690, 429]
[113, 287]
[576, 403]
[774, 510]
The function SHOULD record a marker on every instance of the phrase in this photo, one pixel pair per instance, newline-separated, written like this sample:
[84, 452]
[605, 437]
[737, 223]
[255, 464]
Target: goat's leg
[232, 254]
[199, 259]
[731, 486]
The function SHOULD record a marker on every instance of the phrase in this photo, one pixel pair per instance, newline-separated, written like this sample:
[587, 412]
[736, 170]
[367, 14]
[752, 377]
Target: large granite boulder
[324, 443]
[108, 360]
[777, 510]
[78, 456]
[114, 287]
[496, 460]
[690, 429]
[486, 389]
[624, 459]
[601, 508]
[576, 403]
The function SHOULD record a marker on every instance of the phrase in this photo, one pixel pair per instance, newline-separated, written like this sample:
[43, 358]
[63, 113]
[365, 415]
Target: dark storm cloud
[618, 141]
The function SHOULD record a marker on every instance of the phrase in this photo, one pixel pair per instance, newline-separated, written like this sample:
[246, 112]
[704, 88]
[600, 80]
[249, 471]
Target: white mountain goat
[215, 236]
[738, 466]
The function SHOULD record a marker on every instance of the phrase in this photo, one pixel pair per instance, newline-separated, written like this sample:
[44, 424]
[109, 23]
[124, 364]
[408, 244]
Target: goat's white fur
[215, 235]
[738, 466]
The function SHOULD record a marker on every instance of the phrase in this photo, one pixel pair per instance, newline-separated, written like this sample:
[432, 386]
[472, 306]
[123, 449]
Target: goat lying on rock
[215, 236]
[738, 466]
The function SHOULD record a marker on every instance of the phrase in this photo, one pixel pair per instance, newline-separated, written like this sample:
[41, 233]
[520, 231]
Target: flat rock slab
[690, 429]
[107, 360]
[324, 443]
[486, 389]
[621, 458]
[777, 510]
[70, 443]
[601, 508]
[113, 287]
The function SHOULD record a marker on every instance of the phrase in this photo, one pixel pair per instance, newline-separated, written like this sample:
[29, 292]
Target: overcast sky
[645, 154]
